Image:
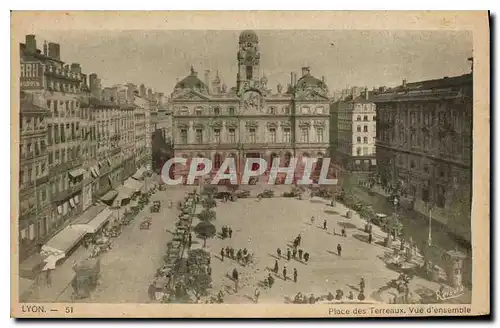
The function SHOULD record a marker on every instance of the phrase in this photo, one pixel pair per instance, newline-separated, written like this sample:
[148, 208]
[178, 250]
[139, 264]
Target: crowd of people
[242, 256]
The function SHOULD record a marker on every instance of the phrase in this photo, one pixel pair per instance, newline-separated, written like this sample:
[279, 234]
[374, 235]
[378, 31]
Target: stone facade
[250, 120]
[424, 146]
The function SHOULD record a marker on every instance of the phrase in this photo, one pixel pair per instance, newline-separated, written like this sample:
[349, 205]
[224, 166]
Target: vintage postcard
[250, 164]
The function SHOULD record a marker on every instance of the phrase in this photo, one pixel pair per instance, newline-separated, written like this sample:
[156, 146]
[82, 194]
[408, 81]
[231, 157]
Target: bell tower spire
[248, 60]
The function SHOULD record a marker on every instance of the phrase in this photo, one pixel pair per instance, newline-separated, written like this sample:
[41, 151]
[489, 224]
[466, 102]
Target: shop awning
[98, 221]
[77, 172]
[109, 196]
[123, 193]
[139, 173]
[64, 241]
[133, 184]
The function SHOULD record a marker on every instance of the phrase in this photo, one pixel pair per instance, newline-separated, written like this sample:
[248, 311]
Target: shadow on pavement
[332, 212]
[347, 225]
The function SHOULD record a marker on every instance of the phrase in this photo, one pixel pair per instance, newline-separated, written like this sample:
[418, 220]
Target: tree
[209, 203]
[207, 215]
[198, 284]
[205, 230]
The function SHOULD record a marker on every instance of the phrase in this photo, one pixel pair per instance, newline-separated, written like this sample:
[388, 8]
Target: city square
[112, 212]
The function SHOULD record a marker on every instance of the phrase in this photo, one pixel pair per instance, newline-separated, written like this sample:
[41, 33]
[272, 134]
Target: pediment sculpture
[232, 124]
[319, 124]
[251, 124]
[305, 124]
[272, 124]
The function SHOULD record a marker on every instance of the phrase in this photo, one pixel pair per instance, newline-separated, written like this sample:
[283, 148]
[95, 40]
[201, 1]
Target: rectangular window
[217, 135]
[232, 136]
[184, 136]
[304, 135]
[252, 135]
[199, 136]
[51, 158]
[441, 199]
[272, 135]
[286, 135]
[319, 135]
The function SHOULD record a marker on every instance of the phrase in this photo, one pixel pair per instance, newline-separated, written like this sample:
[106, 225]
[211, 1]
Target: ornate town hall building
[250, 120]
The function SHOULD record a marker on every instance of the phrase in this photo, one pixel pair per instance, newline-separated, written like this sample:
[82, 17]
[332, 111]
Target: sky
[157, 58]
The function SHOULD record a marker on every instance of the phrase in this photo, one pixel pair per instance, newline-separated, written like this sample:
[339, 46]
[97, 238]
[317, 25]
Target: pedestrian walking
[270, 280]
[279, 252]
[151, 291]
[324, 225]
[339, 250]
[306, 257]
[288, 254]
[300, 253]
[334, 232]
[299, 239]
[222, 255]
[344, 234]
[276, 267]
[230, 232]
[294, 253]
[370, 238]
[48, 277]
[362, 284]
[235, 278]
[295, 275]
[312, 219]
[351, 295]
[228, 252]
[284, 273]
[257, 295]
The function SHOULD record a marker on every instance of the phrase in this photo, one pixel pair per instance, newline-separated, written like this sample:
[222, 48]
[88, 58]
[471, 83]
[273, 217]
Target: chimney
[30, 43]
[45, 50]
[366, 94]
[92, 81]
[305, 71]
[294, 79]
[142, 91]
[76, 68]
[150, 94]
[207, 78]
[404, 83]
[54, 50]
[291, 79]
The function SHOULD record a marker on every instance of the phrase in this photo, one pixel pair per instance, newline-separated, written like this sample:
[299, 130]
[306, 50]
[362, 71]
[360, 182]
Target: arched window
[365, 140]
[358, 118]
[359, 139]
[365, 118]
[358, 128]
[358, 151]
[365, 128]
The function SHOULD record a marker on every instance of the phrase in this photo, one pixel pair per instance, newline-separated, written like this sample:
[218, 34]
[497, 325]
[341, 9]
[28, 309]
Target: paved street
[129, 266]
[261, 227]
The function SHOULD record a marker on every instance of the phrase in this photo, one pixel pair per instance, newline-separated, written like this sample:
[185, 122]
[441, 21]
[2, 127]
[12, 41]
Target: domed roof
[248, 36]
[310, 80]
[191, 81]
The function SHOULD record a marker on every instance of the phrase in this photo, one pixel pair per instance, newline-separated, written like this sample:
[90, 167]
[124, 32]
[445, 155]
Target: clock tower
[248, 61]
